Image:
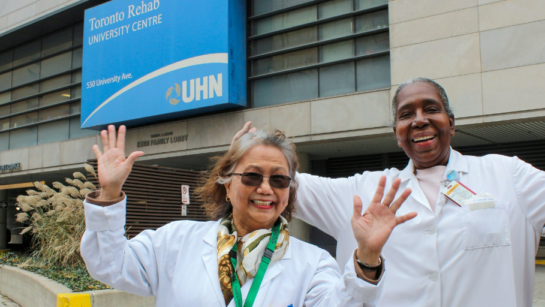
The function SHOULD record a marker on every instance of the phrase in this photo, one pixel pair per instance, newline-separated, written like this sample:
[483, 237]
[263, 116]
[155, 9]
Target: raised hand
[373, 228]
[246, 129]
[113, 167]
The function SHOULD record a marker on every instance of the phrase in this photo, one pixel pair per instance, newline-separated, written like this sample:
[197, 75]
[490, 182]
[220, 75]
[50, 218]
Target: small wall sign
[10, 167]
[185, 194]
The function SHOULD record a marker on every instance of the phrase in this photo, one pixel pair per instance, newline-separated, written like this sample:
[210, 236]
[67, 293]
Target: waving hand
[113, 167]
[373, 228]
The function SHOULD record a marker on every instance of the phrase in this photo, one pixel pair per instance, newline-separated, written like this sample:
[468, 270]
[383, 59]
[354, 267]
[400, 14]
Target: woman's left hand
[373, 228]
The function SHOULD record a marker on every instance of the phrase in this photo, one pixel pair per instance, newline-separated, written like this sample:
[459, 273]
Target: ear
[395, 132]
[452, 126]
[227, 188]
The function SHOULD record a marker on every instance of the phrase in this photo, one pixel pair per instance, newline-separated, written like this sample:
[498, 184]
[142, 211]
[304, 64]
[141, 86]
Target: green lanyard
[265, 260]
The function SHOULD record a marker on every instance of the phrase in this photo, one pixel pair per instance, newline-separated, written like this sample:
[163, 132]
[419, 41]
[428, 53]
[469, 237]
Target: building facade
[322, 71]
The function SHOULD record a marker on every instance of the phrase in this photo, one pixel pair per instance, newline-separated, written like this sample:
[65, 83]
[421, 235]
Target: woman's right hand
[113, 167]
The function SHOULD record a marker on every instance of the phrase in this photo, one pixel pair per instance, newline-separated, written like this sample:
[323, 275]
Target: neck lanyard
[265, 260]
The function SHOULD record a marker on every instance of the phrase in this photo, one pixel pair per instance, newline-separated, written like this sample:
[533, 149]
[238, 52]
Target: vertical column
[298, 228]
[3, 219]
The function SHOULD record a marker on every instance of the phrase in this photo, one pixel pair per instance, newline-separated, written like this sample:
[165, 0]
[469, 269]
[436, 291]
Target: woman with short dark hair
[244, 256]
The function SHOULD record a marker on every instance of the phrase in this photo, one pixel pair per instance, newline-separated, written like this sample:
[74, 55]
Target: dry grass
[55, 218]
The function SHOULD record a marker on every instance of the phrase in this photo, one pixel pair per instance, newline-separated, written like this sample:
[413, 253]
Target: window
[76, 131]
[77, 57]
[5, 81]
[54, 113]
[57, 42]
[27, 53]
[266, 6]
[317, 50]
[57, 64]
[23, 120]
[26, 74]
[55, 97]
[286, 88]
[4, 141]
[24, 105]
[5, 97]
[6, 60]
[53, 132]
[25, 91]
[40, 88]
[4, 110]
[4, 124]
[23, 137]
[55, 83]
[75, 108]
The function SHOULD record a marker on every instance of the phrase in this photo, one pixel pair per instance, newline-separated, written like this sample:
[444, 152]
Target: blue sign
[154, 60]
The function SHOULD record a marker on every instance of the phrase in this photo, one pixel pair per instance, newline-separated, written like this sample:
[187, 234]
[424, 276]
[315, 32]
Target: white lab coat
[178, 265]
[455, 256]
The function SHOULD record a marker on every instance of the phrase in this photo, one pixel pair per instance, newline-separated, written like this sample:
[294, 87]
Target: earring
[227, 199]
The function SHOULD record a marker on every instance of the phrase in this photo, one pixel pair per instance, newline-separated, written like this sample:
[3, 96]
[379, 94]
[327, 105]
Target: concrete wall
[29, 289]
[14, 13]
[32, 290]
[50, 157]
[488, 54]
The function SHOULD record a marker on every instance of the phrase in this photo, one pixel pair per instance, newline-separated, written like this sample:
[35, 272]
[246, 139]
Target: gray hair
[440, 91]
[260, 137]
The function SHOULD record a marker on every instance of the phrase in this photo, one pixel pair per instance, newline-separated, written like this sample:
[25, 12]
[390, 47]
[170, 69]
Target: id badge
[457, 192]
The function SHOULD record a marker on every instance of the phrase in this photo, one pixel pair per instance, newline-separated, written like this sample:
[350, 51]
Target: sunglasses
[255, 179]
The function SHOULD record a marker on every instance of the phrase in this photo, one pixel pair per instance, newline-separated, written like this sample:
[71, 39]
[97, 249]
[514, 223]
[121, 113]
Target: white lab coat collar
[456, 162]
[209, 256]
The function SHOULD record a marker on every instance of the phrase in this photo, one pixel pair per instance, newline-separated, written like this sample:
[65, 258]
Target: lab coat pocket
[485, 226]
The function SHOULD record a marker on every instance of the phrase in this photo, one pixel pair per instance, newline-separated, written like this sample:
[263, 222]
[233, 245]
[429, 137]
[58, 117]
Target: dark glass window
[317, 49]
[40, 90]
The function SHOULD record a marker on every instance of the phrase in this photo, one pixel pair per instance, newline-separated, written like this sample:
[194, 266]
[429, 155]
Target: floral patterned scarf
[250, 250]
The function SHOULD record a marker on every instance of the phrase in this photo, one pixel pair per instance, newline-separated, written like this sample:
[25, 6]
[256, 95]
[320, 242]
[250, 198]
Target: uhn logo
[197, 89]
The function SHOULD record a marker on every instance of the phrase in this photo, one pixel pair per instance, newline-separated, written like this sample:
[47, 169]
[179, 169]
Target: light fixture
[66, 95]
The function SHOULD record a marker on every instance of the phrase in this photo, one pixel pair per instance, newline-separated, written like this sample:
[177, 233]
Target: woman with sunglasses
[244, 256]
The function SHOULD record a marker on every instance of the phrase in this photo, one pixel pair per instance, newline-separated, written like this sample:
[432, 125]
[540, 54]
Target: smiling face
[423, 127]
[258, 207]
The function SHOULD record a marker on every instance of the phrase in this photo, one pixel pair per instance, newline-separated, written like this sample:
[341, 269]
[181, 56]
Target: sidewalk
[539, 290]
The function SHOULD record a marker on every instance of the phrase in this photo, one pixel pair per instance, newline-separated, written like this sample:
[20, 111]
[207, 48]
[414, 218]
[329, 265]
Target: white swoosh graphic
[201, 59]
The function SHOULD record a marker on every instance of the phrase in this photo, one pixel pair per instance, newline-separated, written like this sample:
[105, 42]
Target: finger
[400, 200]
[121, 137]
[404, 218]
[253, 130]
[242, 132]
[392, 193]
[97, 152]
[380, 190]
[111, 136]
[133, 156]
[104, 139]
[358, 205]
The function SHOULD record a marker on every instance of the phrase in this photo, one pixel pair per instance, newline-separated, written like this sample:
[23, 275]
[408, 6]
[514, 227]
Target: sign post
[185, 199]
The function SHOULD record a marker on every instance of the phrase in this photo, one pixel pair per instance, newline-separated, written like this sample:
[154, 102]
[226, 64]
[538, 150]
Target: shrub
[56, 219]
